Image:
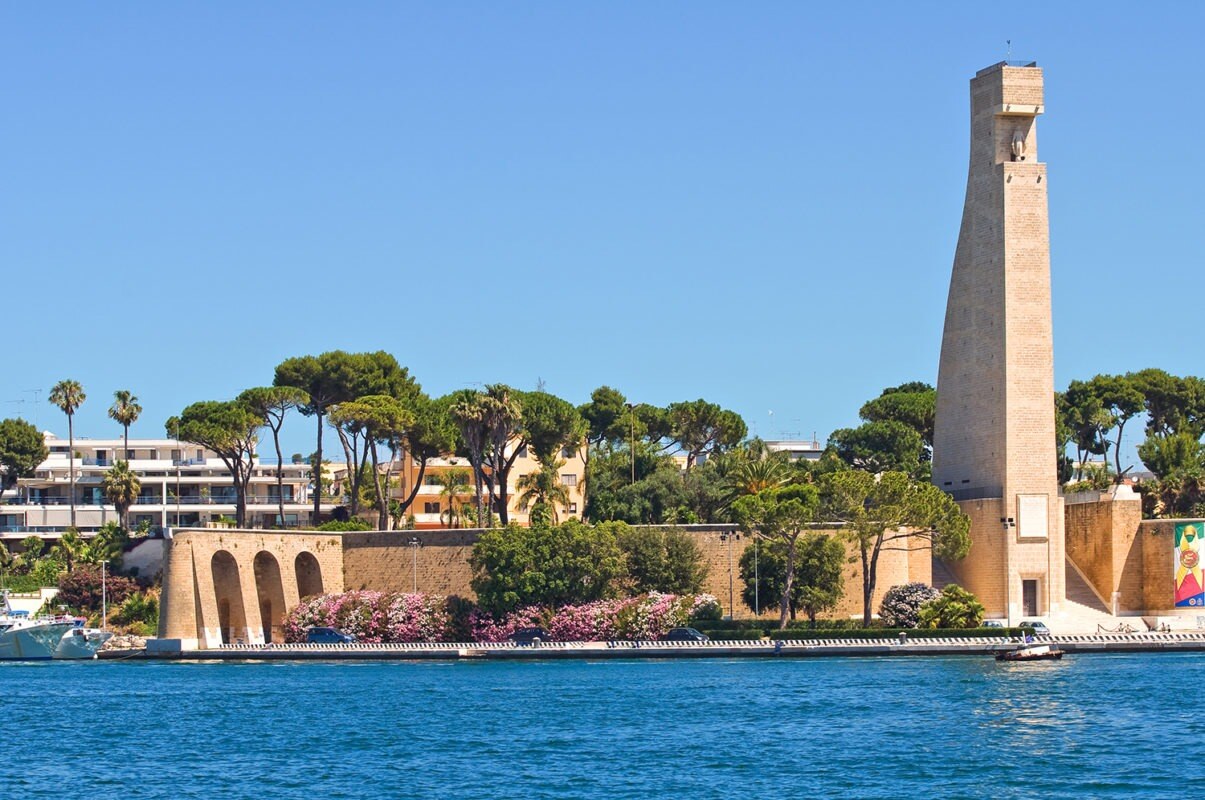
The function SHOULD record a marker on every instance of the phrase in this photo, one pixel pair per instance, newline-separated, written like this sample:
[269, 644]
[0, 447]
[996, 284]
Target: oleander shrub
[82, 589]
[647, 616]
[901, 604]
[374, 617]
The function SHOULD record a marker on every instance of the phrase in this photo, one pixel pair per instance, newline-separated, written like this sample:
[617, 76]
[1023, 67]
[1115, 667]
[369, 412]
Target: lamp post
[415, 543]
[756, 582]
[728, 536]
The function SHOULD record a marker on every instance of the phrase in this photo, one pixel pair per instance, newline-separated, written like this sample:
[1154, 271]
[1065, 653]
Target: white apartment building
[183, 484]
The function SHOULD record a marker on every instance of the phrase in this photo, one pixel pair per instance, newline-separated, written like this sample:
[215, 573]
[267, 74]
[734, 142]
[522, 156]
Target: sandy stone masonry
[994, 445]
[231, 586]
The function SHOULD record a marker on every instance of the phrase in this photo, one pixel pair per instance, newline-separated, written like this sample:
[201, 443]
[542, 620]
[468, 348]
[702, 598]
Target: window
[573, 508]
[200, 455]
[523, 451]
[431, 508]
[175, 455]
[431, 479]
[569, 452]
[569, 479]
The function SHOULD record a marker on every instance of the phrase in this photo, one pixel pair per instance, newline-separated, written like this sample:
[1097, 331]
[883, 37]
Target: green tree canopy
[666, 560]
[552, 567]
[229, 429]
[781, 514]
[22, 450]
[892, 511]
[819, 574]
[887, 446]
[701, 428]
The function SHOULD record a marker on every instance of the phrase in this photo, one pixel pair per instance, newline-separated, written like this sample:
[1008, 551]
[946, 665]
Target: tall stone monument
[994, 439]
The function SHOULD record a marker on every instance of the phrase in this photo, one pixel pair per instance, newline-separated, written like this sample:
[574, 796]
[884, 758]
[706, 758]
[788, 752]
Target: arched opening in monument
[309, 575]
[269, 588]
[228, 590]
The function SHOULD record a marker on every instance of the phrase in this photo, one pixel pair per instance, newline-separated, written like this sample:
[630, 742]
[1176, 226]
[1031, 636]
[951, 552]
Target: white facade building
[182, 485]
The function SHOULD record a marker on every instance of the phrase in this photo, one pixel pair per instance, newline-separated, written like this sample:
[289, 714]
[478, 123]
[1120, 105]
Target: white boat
[29, 638]
[81, 643]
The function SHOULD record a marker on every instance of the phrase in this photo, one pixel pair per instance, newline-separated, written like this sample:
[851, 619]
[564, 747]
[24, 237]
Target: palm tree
[455, 482]
[543, 488]
[71, 548]
[121, 488]
[125, 410]
[68, 395]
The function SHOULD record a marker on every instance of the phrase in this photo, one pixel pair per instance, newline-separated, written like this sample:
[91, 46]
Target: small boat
[1030, 652]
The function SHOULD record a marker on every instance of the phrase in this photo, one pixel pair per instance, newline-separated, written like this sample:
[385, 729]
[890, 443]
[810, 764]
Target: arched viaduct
[229, 586]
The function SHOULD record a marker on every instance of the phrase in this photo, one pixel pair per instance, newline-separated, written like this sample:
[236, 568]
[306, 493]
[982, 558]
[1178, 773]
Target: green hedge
[772, 624]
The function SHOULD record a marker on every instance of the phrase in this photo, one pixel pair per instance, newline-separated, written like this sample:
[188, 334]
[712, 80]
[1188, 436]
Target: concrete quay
[796, 648]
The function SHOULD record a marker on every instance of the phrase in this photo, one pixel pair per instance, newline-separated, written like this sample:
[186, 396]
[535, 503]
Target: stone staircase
[1084, 611]
[942, 576]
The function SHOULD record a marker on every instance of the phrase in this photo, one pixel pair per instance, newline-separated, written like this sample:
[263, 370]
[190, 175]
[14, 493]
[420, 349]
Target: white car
[1039, 628]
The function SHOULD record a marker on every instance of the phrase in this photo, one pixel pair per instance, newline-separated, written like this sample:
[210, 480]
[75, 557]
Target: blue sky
[752, 203]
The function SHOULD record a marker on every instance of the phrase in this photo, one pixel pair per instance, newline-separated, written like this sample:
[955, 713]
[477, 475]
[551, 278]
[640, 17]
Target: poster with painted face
[1190, 588]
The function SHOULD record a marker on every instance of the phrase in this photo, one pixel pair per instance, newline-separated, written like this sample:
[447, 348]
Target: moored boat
[1030, 652]
[81, 643]
[31, 638]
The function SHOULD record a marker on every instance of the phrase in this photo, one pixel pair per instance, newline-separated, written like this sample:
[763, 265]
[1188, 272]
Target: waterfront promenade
[793, 648]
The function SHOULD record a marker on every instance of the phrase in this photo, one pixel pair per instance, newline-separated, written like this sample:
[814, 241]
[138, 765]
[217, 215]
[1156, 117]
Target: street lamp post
[728, 536]
[179, 458]
[756, 582]
[415, 543]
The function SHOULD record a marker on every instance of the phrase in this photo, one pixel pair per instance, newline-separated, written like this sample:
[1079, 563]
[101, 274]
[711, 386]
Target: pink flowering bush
[373, 617]
[646, 616]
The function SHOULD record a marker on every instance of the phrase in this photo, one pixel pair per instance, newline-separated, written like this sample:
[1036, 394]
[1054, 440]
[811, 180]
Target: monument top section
[1018, 64]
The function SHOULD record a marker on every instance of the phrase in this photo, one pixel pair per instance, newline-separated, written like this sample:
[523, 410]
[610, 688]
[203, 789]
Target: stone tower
[994, 440]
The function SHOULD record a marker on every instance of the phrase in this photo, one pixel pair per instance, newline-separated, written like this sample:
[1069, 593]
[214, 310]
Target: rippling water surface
[1088, 726]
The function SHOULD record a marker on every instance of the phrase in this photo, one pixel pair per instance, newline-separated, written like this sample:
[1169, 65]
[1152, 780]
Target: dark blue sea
[1088, 726]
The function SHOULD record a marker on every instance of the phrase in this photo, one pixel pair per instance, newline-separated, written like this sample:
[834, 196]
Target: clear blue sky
[752, 203]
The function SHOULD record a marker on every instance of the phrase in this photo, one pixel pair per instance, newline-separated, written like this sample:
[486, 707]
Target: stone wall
[1103, 540]
[440, 565]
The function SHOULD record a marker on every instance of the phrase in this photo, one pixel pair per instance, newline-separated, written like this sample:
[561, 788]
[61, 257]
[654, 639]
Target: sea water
[1087, 726]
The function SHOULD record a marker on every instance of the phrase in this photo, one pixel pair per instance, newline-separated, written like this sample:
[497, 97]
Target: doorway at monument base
[1015, 577]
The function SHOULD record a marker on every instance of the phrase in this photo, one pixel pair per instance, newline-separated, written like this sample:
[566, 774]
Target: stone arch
[309, 575]
[269, 589]
[228, 591]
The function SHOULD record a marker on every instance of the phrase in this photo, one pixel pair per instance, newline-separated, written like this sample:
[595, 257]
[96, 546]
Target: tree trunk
[280, 479]
[784, 603]
[71, 462]
[1117, 448]
[867, 589]
[382, 500]
[353, 480]
[125, 436]
[870, 569]
[418, 481]
[316, 470]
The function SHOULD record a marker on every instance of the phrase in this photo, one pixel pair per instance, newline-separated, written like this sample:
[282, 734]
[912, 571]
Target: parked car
[684, 635]
[1039, 628]
[320, 635]
[992, 623]
[530, 636]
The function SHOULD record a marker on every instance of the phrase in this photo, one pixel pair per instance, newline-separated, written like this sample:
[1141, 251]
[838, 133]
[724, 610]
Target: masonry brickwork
[225, 586]
[994, 443]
